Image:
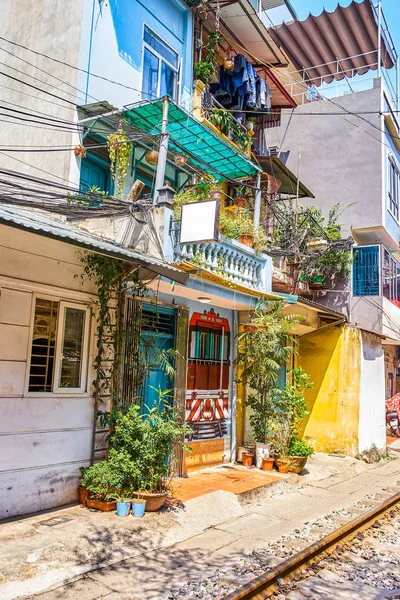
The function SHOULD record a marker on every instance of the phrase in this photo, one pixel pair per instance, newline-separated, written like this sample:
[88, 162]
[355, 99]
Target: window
[160, 67]
[59, 346]
[393, 188]
[366, 271]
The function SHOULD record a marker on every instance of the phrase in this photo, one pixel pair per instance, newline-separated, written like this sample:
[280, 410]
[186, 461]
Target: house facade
[128, 66]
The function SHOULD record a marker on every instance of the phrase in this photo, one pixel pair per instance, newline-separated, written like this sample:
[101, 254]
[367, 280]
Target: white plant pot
[241, 449]
[262, 451]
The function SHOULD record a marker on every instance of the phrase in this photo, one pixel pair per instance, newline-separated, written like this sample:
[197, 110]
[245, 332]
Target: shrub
[300, 448]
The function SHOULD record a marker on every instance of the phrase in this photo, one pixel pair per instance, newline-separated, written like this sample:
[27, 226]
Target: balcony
[228, 260]
[376, 291]
[205, 116]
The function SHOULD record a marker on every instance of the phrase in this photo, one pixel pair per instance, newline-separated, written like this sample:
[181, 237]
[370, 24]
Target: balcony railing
[228, 259]
[204, 115]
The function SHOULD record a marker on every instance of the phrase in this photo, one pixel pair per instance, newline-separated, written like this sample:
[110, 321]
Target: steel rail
[256, 589]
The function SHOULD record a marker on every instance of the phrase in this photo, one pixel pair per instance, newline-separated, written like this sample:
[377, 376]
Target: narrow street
[204, 549]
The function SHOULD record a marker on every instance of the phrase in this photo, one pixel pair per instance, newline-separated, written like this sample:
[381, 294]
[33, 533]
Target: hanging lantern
[152, 157]
[229, 62]
[317, 245]
[80, 151]
[180, 160]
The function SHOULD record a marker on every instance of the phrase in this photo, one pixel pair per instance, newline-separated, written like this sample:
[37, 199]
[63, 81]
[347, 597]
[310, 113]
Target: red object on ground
[393, 403]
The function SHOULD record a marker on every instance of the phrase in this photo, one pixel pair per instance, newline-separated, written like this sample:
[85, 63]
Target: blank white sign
[200, 222]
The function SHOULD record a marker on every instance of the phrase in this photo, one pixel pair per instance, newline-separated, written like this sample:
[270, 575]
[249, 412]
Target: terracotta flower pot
[83, 494]
[247, 240]
[297, 464]
[240, 202]
[267, 464]
[101, 505]
[247, 459]
[282, 465]
[153, 501]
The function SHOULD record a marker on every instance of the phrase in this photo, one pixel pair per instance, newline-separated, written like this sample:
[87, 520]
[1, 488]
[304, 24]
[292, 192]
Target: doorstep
[233, 478]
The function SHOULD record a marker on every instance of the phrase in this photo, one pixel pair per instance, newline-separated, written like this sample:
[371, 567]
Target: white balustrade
[227, 258]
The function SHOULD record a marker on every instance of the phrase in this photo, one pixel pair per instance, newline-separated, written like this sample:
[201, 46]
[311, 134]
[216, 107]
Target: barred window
[59, 346]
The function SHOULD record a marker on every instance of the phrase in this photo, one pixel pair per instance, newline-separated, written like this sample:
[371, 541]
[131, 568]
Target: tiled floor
[228, 478]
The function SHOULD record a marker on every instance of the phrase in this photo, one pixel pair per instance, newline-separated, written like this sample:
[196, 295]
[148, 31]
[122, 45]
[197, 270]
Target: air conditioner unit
[273, 150]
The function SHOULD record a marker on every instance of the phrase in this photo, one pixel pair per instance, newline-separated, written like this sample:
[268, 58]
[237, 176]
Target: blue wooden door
[95, 172]
[158, 335]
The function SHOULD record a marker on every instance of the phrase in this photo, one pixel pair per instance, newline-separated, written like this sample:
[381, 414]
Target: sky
[390, 8]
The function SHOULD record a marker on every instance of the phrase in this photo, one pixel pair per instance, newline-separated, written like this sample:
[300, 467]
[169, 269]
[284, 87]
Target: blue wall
[112, 45]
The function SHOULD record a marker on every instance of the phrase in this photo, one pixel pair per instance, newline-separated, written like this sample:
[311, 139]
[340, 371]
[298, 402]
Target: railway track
[272, 582]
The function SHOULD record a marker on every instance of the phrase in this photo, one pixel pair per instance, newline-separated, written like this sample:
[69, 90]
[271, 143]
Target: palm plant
[267, 347]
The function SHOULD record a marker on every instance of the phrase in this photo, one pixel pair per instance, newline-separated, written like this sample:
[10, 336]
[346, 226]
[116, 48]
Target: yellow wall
[332, 359]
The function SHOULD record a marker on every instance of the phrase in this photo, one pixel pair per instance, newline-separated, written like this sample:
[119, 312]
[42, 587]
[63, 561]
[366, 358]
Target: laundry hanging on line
[242, 89]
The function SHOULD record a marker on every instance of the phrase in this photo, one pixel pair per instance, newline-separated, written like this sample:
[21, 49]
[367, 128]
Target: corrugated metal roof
[349, 35]
[41, 224]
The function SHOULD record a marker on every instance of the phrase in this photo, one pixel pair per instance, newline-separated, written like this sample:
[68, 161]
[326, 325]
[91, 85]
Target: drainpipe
[379, 36]
[257, 201]
[163, 152]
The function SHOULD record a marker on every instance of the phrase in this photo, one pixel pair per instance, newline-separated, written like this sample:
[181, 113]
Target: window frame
[393, 177]
[56, 390]
[176, 70]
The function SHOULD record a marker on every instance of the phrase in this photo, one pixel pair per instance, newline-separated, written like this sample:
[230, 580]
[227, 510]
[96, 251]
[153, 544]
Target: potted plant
[247, 458]
[269, 346]
[152, 157]
[249, 123]
[290, 410]
[180, 160]
[123, 502]
[199, 192]
[240, 198]
[267, 463]
[101, 480]
[299, 451]
[138, 505]
[245, 228]
[222, 119]
[228, 227]
[147, 441]
[204, 69]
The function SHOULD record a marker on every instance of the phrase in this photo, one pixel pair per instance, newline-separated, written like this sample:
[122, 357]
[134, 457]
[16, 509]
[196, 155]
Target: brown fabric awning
[349, 35]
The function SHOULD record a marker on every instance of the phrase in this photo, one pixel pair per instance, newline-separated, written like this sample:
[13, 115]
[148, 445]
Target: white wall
[44, 438]
[372, 429]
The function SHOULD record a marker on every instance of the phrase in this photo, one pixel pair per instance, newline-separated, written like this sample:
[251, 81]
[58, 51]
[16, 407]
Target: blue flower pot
[138, 508]
[123, 509]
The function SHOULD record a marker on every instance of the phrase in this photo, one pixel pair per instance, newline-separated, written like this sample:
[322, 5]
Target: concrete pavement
[109, 558]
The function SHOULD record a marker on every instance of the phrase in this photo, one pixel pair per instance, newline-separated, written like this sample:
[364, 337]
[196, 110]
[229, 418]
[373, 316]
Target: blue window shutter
[366, 271]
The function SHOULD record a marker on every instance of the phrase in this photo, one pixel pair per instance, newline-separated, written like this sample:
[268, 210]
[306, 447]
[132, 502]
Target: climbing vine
[108, 276]
[119, 151]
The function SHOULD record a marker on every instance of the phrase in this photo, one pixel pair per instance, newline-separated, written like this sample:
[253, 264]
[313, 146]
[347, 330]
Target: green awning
[205, 148]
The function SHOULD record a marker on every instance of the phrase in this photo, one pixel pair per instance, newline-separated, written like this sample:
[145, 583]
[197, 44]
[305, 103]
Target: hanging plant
[119, 151]
[152, 157]
[180, 160]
